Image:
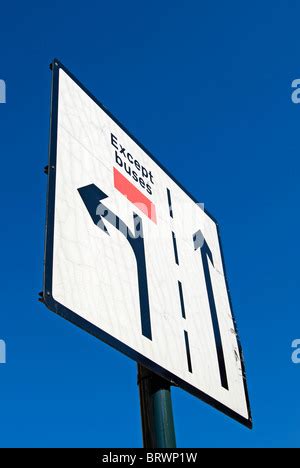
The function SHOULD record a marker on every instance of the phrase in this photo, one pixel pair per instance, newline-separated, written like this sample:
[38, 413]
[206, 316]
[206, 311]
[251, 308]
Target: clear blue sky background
[206, 87]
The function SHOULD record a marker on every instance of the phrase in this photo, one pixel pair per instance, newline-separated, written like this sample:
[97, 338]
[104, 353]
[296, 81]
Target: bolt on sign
[132, 258]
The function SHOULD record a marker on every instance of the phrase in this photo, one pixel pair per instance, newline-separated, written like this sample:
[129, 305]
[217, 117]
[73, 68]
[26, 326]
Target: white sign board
[132, 258]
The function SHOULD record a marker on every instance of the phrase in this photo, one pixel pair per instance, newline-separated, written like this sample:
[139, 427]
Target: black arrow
[92, 197]
[200, 243]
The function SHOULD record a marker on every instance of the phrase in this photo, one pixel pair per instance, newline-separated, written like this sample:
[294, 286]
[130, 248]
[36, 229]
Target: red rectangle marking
[134, 195]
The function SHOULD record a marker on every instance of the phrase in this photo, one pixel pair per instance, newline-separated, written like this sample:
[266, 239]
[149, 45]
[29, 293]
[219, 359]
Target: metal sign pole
[156, 410]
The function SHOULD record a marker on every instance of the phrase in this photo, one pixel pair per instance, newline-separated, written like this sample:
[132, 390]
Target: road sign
[132, 258]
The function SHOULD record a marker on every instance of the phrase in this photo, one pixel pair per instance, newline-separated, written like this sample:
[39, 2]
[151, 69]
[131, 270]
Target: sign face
[132, 258]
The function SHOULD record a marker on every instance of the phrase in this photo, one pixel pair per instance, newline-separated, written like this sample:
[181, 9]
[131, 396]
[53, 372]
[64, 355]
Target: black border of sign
[58, 308]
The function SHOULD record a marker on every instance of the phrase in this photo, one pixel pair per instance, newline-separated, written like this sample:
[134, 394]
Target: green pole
[156, 410]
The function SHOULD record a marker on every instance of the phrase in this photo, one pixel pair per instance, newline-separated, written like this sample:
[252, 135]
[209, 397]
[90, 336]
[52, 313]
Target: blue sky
[207, 88]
